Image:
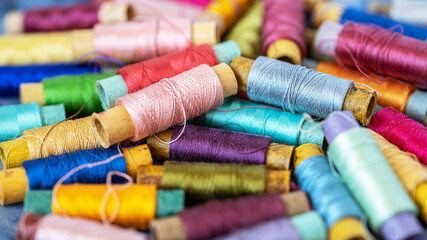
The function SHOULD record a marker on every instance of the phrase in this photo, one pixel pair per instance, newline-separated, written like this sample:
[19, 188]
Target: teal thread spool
[14, 119]
[310, 225]
[370, 178]
[264, 120]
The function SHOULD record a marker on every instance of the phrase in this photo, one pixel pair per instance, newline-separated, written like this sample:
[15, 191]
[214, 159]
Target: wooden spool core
[13, 185]
[361, 103]
[285, 50]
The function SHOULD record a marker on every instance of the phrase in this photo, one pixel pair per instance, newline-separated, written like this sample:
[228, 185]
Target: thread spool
[415, 109]
[344, 41]
[54, 167]
[305, 226]
[408, 11]
[204, 181]
[85, 200]
[13, 76]
[33, 226]
[118, 124]
[389, 209]
[399, 129]
[224, 13]
[50, 140]
[341, 212]
[259, 119]
[168, 202]
[151, 41]
[247, 211]
[73, 91]
[60, 18]
[247, 31]
[215, 145]
[283, 30]
[14, 119]
[132, 78]
[411, 173]
[285, 78]
[354, 15]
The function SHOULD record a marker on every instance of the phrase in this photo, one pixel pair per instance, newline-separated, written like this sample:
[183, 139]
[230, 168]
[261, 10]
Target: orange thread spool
[137, 203]
[393, 92]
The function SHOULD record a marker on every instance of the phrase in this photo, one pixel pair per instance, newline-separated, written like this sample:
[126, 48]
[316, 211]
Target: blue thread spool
[14, 119]
[264, 120]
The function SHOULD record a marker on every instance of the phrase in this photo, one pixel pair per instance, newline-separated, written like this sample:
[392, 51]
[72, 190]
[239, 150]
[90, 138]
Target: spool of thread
[305, 226]
[12, 76]
[73, 91]
[224, 12]
[386, 55]
[60, 18]
[85, 201]
[259, 119]
[152, 39]
[205, 181]
[410, 11]
[50, 227]
[411, 173]
[283, 30]
[184, 96]
[247, 31]
[370, 178]
[132, 78]
[329, 195]
[168, 202]
[201, 144]
[399, 129]
[353, 15]
[45, 172]
[50, 140]
[394, 93]
[208, 220]
[298, 89]
[14, 119]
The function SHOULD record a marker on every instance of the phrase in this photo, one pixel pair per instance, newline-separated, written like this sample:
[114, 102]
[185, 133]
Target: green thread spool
[247, 32]
[204, 181]
[310, 225]
[367, 174]
[38, 201]
[74, 92]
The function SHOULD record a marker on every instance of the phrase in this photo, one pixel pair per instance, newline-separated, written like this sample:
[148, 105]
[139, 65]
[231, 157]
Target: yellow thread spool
[137, 203]
[50, 140]
[326, 11]
[408, 169]
[345, 228]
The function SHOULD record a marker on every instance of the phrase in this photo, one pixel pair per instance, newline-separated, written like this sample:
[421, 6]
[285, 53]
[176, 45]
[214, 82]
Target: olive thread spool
[42, 142]
[14, 182]
[340, 227]
[389, 209]
[86, 200]
[173, 227]
[202, 181]
[116, 124]
[107, 12]
[69, 46]
[359, 101]
[168, 202]
[277, 156]
[14, 119]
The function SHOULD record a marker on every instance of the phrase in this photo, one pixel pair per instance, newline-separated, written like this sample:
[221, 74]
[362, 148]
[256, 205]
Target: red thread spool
[409, 135]
[377, 50]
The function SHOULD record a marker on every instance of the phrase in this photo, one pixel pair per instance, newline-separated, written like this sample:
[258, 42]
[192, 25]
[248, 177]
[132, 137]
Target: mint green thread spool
[310, 225]
[74, 91]
[369, 177]
[14, 119]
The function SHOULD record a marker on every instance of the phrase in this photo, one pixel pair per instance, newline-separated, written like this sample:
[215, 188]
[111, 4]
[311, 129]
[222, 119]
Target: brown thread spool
[345, 228]
[276, 181]
[14, 182]
[172, 227]
[115, 125]
[359, 101]
[278, 156]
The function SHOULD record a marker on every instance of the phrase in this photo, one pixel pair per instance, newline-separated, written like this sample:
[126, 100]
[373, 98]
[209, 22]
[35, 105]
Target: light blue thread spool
[280, 125]
[14, 119]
